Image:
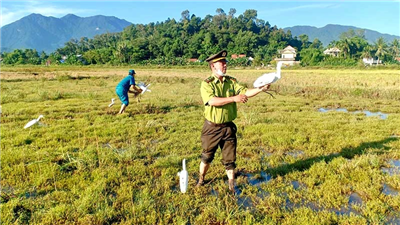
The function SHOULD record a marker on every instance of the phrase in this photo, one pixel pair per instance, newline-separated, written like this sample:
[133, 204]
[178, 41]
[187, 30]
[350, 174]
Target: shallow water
[394, 168]
[256, 180]
[389, 190]
[297, 185]
[355, 199]
[367, 113]
[295, 153]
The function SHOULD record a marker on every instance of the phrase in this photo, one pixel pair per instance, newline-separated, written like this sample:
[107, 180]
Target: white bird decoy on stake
[144, 87]
[33, 122]
[269, 78]
[112, 102]
[183, 177]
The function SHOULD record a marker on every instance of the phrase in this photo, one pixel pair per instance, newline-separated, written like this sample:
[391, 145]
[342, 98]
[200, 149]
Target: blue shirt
[126, 83]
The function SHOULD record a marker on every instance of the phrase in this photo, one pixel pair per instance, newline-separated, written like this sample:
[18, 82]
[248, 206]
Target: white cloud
[312, 6]
[298, 8]
[13, 11]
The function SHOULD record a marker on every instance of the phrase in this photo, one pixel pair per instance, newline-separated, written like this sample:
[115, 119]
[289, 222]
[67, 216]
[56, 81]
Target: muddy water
[367, 113]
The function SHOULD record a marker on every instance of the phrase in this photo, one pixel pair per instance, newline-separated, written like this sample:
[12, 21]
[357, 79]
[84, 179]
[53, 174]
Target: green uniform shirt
[213, 87]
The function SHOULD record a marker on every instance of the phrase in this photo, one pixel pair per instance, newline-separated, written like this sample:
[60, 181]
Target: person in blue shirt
[123, 88]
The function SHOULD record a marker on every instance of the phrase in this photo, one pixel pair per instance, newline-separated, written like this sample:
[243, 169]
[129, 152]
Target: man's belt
[218, 124]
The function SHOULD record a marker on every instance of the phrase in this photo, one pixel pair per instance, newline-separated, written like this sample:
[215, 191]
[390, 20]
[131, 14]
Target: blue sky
[381, 16]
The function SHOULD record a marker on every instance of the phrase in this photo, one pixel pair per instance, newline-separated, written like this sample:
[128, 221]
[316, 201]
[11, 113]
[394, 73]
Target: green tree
[310, 56]
[395, 48]
[381, 48]
[304, 41]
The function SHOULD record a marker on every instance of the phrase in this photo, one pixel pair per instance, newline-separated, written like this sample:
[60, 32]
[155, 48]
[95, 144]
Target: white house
[288, 55]
[332, 51]
[371, 61]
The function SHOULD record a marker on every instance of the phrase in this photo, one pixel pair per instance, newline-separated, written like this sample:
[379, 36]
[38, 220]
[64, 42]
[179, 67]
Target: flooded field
[325, 150]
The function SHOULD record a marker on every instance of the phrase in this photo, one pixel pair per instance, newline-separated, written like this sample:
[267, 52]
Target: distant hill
[332, 32]
[49, 33]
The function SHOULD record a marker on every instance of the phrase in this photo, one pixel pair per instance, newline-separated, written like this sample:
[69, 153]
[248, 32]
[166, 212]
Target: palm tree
[367, 52]
[345, 45]
[122, 51]
[395, 47]
[381, 48]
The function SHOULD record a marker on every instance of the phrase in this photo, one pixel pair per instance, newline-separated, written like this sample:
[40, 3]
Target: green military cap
[217, 57]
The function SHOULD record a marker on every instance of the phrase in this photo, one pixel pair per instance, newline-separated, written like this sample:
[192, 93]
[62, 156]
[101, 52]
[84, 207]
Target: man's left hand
[265, 87]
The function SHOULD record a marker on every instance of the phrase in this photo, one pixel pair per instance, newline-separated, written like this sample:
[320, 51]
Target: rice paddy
[325, 150]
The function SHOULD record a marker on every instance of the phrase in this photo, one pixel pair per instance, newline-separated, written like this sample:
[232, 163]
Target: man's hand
[240, 98]
[265, 87]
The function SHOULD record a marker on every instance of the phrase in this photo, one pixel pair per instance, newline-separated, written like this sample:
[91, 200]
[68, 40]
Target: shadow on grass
[153, 109]
[348, 153]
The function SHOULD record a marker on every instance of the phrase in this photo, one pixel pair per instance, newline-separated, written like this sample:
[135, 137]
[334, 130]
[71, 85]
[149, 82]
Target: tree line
[175, 42]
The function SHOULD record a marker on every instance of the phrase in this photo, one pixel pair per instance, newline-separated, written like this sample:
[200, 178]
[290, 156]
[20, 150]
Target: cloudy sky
[381, 16]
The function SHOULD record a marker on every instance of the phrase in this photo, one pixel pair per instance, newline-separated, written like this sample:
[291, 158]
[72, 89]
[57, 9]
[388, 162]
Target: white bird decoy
[33, 122]
[144, 87]
[112, 102]
[269, 78]
[183, 177]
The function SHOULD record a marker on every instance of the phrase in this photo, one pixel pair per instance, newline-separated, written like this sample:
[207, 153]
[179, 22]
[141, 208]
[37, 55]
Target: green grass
[86, 165]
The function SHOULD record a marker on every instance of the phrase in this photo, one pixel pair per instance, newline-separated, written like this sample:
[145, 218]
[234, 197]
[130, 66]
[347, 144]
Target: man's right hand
[240, 98]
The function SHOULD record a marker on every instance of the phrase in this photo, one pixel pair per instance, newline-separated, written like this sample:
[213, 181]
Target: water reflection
[394, 168]
[295, 153]
[389, 190]
[297, 185]
[381, 115]
[355, 199]
[258, 179]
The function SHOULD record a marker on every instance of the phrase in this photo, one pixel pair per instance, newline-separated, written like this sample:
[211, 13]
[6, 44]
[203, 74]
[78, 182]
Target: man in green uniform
[220, 93]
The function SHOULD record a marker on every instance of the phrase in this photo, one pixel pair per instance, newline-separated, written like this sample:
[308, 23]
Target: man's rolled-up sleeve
[207, 92]
[240, 89]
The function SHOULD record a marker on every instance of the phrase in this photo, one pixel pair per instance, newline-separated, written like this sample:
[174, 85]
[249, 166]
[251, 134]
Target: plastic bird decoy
[144, 87]
[183, 177]
[33, 122]
[112, 102]
[269, 78]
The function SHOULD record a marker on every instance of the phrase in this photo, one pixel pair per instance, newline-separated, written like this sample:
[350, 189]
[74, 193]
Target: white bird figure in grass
[112, 102]
[269, 78]
[183, 177]
[144, 87]
[33, 122]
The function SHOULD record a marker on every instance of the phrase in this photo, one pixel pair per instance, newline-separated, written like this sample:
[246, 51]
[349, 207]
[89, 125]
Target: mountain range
[49, 33]
[332, 32]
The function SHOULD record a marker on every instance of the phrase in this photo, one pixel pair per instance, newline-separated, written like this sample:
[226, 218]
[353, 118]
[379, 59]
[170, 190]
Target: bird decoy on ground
[183, 177]
[112, 102]
[33, 122]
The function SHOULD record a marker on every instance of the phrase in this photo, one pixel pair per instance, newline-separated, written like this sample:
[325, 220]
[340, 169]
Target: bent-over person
[123, 88]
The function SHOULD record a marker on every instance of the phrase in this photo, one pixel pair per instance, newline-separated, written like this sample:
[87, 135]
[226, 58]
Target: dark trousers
[219, 135]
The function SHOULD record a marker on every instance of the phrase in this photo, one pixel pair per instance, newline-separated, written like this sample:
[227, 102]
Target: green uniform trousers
[219, 135]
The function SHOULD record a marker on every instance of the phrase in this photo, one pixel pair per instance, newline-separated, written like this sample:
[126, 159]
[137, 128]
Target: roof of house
[332, 50]
[289, 49]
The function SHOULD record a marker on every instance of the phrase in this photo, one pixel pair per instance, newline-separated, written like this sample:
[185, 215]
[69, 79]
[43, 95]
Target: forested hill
[189, 37]
[49, 33]
[174, 42]
[332, 32]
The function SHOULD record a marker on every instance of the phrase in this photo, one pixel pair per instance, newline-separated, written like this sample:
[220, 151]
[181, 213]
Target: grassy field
[312, 155]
